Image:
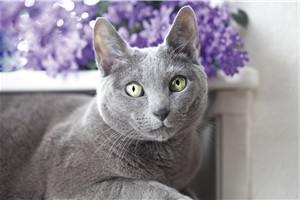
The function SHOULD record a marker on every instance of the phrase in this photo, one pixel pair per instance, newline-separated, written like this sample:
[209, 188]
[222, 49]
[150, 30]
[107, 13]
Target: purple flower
[56, 39]
[131, 11]
[157, 27]
[219, 41]
[221, 47]
[57, 36]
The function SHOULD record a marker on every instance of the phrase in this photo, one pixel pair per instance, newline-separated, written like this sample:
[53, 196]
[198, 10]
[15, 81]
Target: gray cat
[136, 139]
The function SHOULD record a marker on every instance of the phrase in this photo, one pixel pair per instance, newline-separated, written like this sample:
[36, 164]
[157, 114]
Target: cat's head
[151, 93]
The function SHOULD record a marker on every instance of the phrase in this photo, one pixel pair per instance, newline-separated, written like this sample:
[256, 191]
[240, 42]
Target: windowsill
[34, 81]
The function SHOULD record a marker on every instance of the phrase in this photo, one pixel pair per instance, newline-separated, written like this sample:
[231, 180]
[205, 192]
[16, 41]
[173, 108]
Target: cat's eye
[177, 83]
[134, 89]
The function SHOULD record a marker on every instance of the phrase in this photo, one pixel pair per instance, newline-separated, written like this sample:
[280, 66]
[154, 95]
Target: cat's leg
[121, 188]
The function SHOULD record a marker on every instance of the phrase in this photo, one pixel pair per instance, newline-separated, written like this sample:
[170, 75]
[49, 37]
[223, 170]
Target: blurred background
[56, 37]
[272, 40]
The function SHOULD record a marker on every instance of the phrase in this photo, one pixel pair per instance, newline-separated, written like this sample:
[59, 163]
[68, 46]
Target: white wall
[271, 39]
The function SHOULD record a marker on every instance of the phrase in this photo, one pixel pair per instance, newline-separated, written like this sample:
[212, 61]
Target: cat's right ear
[108, 45]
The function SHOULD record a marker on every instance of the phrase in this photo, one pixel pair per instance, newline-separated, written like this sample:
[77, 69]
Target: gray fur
[64, 146]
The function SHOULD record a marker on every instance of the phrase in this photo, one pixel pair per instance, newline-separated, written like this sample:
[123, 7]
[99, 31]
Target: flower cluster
[221, 46]
[52, 36]
[57, 36]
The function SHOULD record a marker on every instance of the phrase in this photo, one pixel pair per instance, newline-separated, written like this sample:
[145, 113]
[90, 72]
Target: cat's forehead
[157, 59]
[147, 55]
[149, 64]
[153, 66]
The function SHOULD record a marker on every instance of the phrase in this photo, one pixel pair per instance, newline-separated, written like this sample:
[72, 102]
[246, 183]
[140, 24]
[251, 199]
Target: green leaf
[91, 65]
[240, 18]
[102, 7]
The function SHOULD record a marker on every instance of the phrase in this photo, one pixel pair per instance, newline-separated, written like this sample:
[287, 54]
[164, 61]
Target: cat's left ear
[183, 35]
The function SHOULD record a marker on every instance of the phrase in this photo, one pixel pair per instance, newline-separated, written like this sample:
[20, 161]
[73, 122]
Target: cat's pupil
[177, 82]
[133, 88]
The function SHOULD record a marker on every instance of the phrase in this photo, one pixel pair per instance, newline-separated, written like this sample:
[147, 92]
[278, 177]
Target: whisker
[115, 142]
[103, 143]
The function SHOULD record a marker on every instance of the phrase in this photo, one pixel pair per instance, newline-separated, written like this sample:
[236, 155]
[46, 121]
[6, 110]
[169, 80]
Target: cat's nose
[162, 113]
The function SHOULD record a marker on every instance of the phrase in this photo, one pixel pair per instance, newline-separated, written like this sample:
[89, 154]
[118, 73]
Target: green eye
[177, 84]
[134, 89]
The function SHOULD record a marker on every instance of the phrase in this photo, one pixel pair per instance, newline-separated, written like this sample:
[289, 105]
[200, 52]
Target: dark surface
[204, 184]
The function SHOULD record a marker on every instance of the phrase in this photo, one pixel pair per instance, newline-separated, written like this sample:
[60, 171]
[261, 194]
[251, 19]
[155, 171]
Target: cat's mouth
[167, 124]
[162, 133]
[164, 126]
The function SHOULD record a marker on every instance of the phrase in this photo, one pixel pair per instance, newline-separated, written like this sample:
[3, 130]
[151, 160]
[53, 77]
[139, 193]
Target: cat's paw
[120, 188]
[162, 191]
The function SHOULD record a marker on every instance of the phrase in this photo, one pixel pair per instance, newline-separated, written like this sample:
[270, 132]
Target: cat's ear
[108, 45]
[183, 35]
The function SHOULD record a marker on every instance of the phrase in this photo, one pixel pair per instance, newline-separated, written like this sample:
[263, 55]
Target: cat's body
[81, 150]
[136, 139]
